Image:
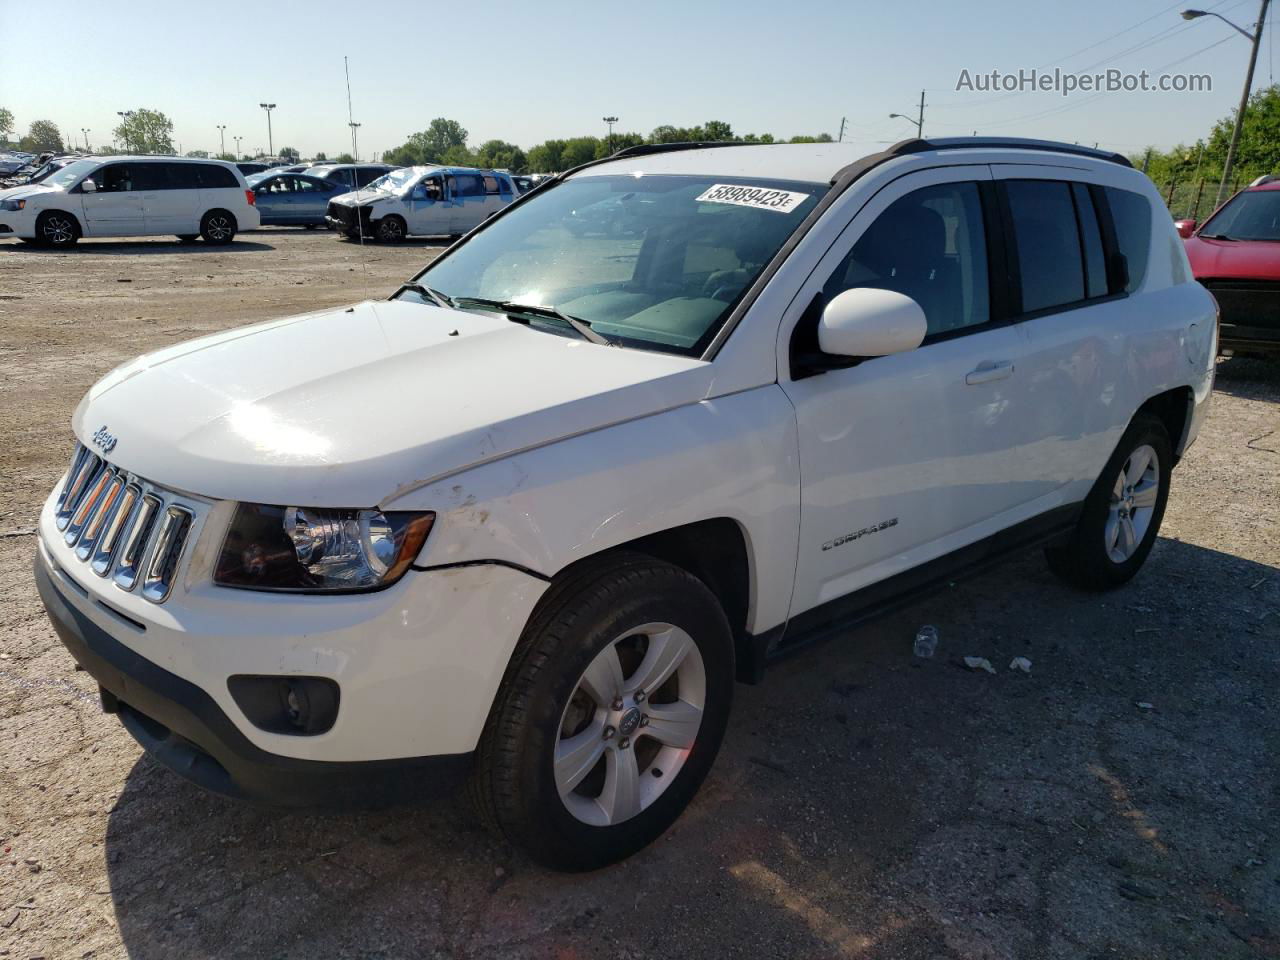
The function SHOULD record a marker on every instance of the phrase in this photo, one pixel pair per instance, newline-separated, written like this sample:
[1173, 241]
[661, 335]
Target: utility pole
[610, 121]
[1254, 39]
[840, 139]
[222, 137]
[271, 147]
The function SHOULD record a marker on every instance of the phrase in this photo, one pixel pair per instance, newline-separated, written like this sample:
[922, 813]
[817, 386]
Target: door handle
[989, 370]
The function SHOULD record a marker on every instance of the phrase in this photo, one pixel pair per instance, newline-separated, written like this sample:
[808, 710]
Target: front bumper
[343, 218]
[182, 727]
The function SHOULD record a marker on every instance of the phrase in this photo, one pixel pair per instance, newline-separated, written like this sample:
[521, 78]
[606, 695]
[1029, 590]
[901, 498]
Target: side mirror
[1185, 227]
[868, 322]
[88, 186]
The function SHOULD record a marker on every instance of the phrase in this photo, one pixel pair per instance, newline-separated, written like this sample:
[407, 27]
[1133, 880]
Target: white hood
[27, 190]
[352, 408]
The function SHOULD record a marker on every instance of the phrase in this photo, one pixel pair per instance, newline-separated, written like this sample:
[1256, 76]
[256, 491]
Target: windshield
[1253, 215]
[394, 181]
[656, 262]
[70, 175]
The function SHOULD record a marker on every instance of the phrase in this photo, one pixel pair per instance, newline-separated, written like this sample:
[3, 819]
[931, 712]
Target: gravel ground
[1118, 801]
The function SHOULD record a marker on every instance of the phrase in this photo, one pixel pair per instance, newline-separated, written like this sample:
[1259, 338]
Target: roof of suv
[810, 162]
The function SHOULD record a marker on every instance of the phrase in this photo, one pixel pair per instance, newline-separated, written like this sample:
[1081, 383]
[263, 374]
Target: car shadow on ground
[865, 803]
[141, 247]
[1254, 378]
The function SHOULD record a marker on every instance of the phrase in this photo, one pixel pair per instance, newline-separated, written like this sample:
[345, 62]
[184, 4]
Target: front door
[115, 208]
[910, 456]
[426, 210]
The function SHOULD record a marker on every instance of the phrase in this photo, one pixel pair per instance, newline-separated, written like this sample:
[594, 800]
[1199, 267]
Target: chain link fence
[1193, 199]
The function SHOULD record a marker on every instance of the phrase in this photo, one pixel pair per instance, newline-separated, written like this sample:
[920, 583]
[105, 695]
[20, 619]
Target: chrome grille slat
[123, 526]
[135, 546]
[104, 555]
[164, 557]
[102, 511]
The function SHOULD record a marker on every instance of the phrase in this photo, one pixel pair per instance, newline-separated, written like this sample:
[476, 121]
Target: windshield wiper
[512, 309]
[441, 300]
[1216, 236]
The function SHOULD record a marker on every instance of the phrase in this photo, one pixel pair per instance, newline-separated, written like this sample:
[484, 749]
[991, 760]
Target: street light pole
[355, 140]
[237, 140]
[1255, 39]
[271, 147]
[610, 121]
[87, 148]
[222, 138]
[918, 122]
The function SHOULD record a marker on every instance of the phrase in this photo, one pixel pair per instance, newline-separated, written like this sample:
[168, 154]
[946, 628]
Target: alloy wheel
[1133, 501]
[630, 724]
[219, 228]
[58, 229]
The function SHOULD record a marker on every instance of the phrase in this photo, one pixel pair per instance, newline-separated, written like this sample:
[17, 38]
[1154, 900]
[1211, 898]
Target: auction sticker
[761, 198]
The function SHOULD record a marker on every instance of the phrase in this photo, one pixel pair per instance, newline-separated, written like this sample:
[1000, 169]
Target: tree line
[1257, 154]
[445, 141]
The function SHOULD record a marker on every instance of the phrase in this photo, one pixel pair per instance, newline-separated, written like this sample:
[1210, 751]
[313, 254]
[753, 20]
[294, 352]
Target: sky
[529, 71]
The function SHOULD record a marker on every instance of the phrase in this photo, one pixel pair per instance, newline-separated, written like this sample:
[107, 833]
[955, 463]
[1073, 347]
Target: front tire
[1121, 516]
[57, 229]
[218, 227]
[610, 715]
[391, 229]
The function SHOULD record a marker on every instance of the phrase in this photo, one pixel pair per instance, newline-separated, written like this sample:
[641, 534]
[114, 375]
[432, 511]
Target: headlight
[318, 551]
[12, 204]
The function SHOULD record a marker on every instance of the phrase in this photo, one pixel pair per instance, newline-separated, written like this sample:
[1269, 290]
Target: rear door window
[468, 185]
[1095, 257]
[1131, 214]
[213, 177]
[1046, 242]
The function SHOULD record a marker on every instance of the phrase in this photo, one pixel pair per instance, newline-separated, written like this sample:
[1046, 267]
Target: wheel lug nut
[609, 732]
[644, 721]
[639, 697]
[617, 704]
[624, 743]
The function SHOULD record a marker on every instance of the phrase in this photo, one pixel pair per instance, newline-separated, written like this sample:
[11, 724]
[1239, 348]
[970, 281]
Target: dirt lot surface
[1119, 801]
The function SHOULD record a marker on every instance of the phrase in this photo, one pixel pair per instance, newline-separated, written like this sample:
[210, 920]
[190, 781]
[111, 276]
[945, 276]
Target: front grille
[1254, 303]
[122, 526]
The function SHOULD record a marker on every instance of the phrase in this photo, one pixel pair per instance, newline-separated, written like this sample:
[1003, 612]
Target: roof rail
[644, 149]
[1265, 178]
[1011, 143]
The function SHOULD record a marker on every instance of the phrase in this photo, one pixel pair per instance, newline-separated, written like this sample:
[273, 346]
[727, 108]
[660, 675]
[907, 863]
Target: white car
[528, 520]
[131, 197]
[421, 201]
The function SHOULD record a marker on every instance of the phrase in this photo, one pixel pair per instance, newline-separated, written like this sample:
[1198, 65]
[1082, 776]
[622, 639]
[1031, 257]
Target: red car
[1236, 255]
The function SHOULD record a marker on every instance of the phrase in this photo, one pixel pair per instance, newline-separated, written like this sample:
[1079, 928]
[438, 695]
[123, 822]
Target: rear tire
[391, 229]
[218, 227]
[576, 765]
[1121, 516]
[57, 229]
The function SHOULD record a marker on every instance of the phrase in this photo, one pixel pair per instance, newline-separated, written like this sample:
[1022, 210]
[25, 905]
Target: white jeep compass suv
[526, 521]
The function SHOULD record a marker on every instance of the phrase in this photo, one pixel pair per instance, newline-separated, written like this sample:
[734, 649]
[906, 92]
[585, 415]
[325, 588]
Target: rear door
[1071, 300]
[467, 202]
[115, 208]
[170, 197]
[309, 199]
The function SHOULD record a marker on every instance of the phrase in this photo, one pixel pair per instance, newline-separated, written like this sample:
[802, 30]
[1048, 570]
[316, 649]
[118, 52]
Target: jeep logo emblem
[103, 440]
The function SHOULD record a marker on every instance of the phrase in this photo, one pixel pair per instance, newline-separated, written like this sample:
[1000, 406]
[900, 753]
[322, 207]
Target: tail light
[251, 197]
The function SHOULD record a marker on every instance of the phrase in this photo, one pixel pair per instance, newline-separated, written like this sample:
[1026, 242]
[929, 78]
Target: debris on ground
[979, 663]
[1020, 663]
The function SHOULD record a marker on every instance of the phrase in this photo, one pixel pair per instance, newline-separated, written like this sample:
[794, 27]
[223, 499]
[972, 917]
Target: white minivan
[131, 197]
[526, 521]
[422, 201]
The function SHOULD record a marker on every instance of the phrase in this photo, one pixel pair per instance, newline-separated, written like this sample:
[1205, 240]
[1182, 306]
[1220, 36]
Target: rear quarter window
[1131, 213]
[212, 177]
